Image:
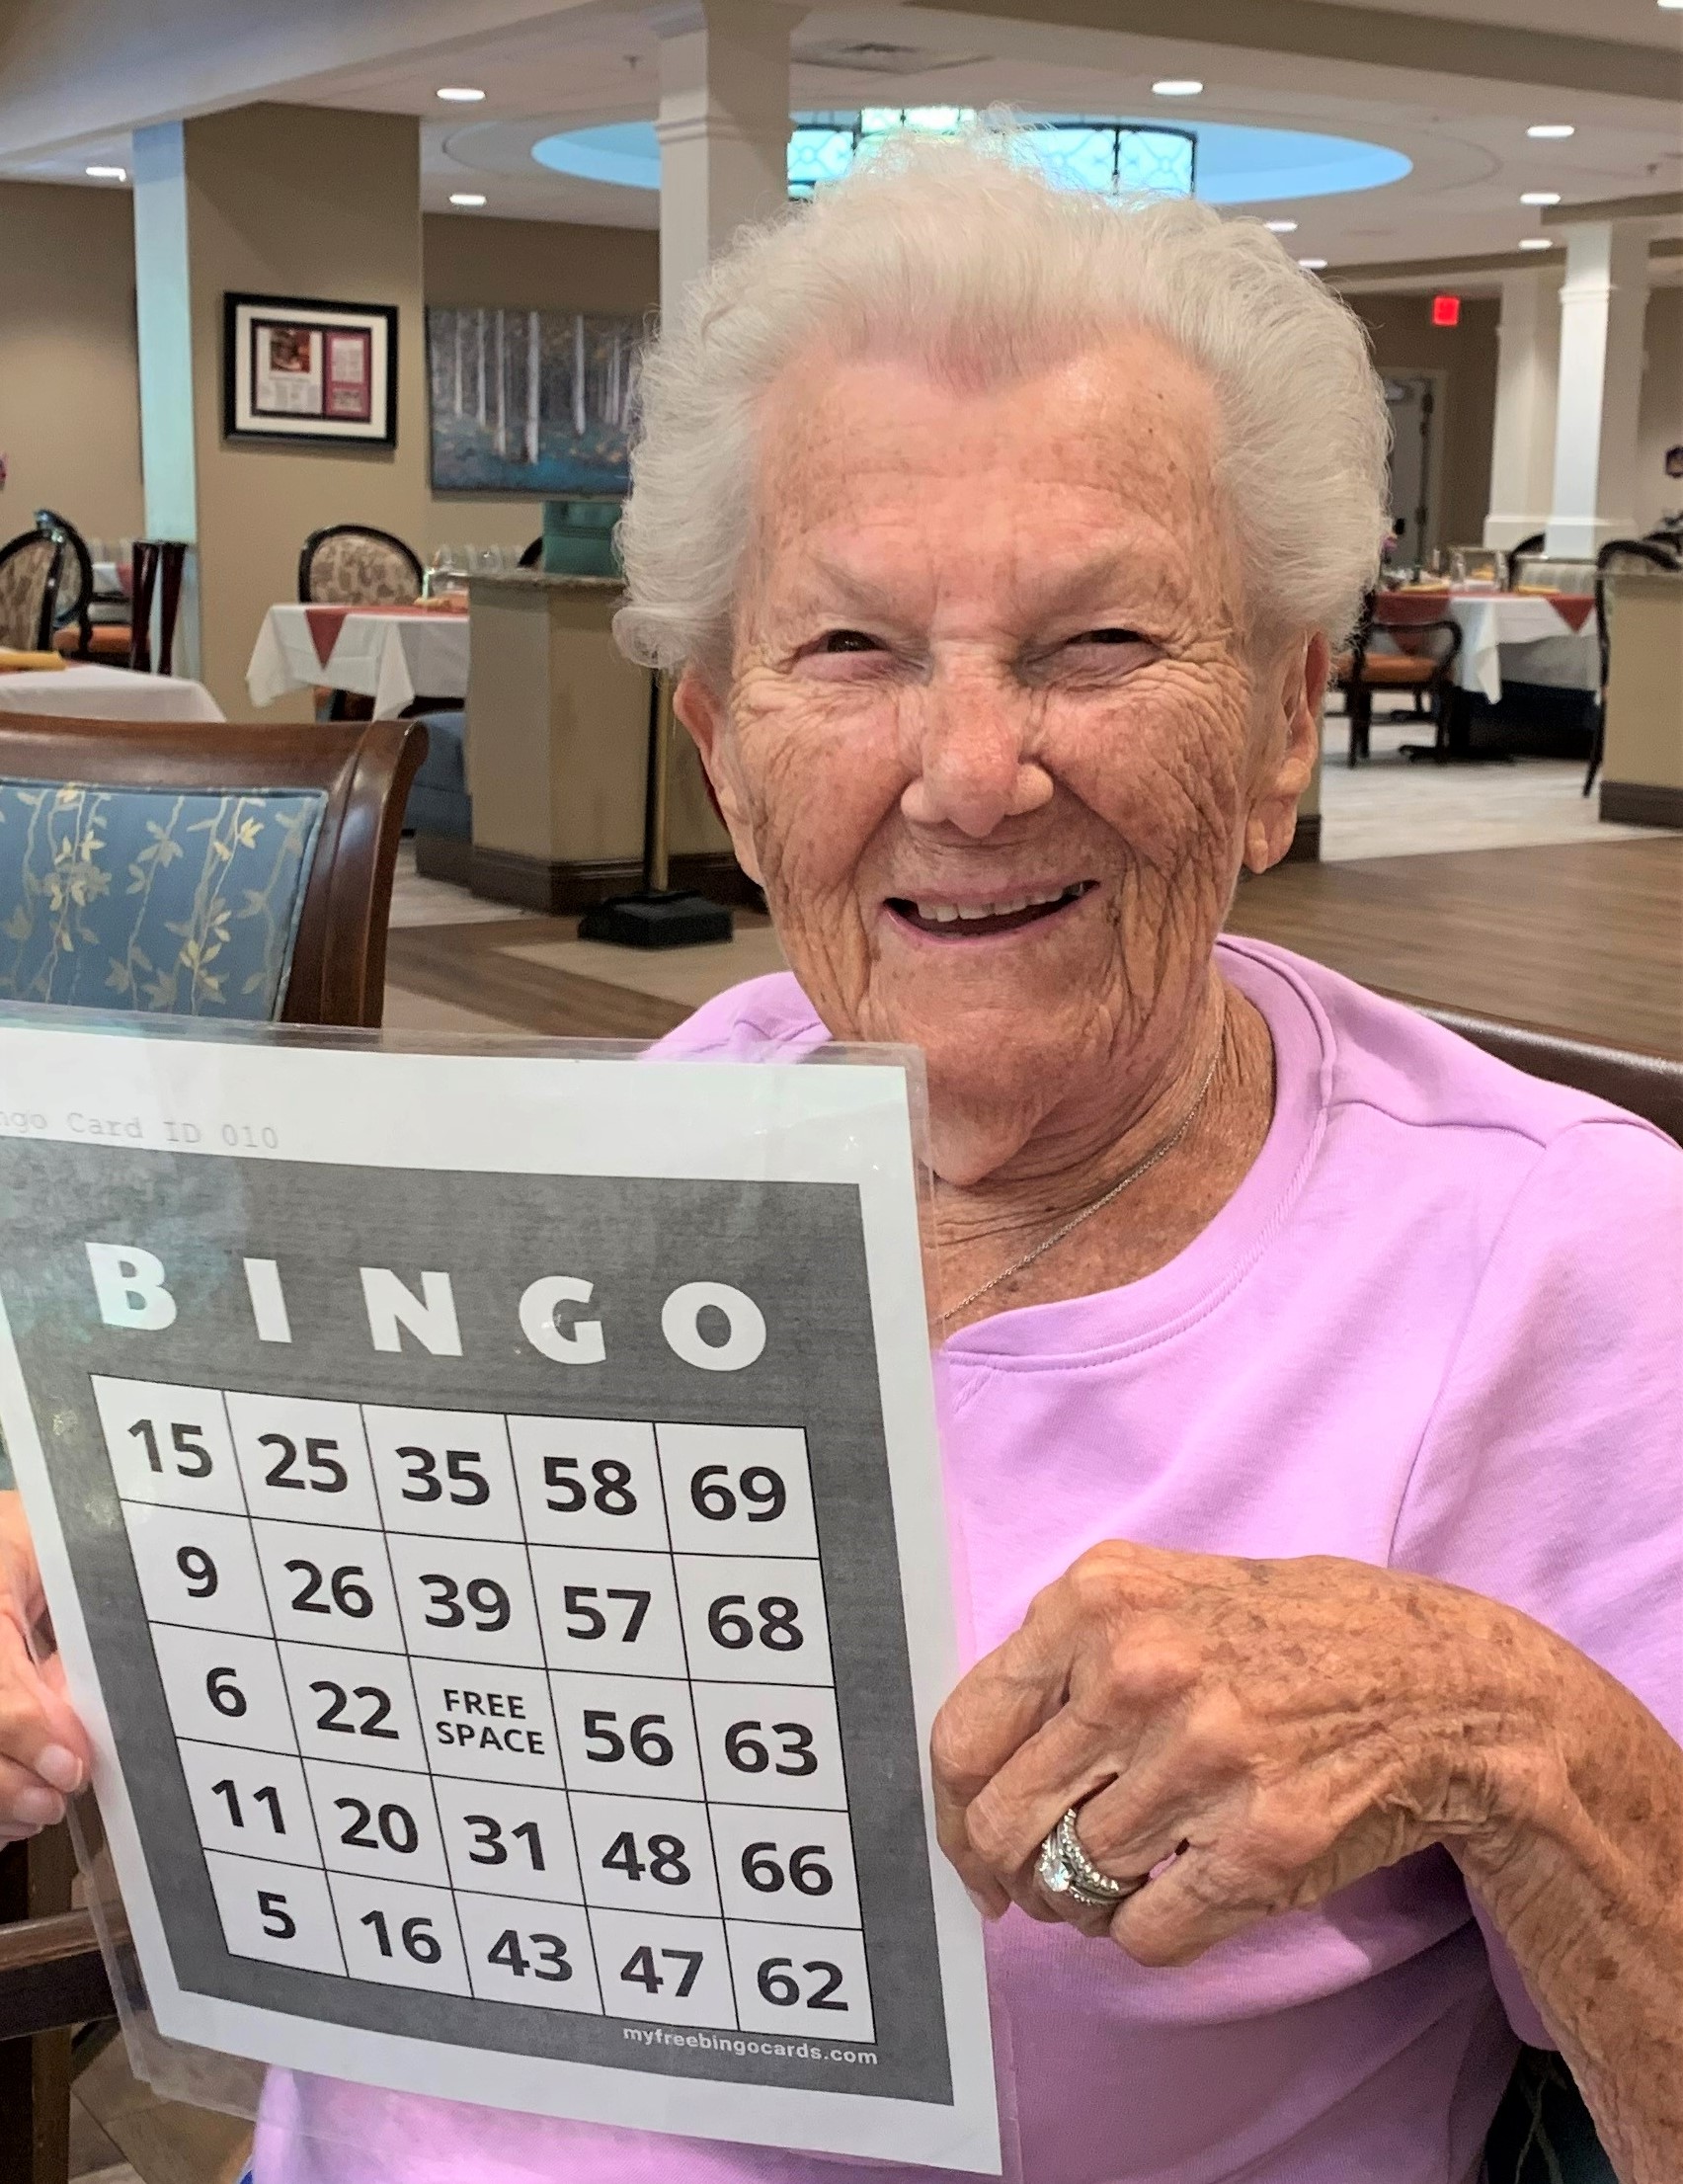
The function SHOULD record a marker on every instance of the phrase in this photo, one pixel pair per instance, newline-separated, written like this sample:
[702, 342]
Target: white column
[723, 125]
[1522, 453]
[1603, 301]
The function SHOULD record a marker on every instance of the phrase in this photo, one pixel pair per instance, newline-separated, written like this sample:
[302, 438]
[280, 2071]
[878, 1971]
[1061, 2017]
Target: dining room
[320, 345]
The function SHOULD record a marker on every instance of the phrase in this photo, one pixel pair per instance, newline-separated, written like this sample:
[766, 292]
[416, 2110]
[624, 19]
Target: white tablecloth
[394, 659]
[108, 693]
[1524, 639]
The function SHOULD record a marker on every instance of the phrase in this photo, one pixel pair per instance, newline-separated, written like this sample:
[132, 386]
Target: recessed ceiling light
[1184, 87]
[105, 174]
[1551, 129]
[1671, 3]
[1540, 196]
[1312, 265]
[1535, 242]
[464, 94]
[1280, 228]
[467, 196]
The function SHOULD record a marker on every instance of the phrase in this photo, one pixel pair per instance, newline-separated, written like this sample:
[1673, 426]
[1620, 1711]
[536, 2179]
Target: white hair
[955, 251]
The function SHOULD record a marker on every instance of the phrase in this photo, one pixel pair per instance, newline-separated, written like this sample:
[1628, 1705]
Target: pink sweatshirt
[1439, 1326]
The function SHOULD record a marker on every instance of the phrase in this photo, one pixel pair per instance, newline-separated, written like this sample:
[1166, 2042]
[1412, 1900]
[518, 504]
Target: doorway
[1412, 400]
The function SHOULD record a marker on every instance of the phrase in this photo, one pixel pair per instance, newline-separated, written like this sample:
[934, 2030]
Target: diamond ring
[1065, 1869]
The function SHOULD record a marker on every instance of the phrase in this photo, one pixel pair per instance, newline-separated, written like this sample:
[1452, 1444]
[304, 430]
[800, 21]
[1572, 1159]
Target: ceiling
[1464, 133]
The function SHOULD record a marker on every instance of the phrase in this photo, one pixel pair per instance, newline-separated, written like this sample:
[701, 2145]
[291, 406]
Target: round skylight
[1218, 161]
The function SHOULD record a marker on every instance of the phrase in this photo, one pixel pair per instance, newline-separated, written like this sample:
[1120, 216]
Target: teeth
[946, 914]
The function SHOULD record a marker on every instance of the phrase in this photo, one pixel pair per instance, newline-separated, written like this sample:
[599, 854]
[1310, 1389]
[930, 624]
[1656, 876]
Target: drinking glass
[448, 574]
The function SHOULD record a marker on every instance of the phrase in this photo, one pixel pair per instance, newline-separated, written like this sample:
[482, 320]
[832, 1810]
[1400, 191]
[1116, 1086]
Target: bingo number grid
[472, 1697]
[527, 1709]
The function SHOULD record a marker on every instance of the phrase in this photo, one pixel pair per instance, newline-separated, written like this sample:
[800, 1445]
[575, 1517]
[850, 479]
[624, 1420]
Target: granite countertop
[540, 580]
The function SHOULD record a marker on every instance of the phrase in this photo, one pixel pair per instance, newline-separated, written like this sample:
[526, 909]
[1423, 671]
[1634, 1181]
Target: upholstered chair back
[154, 899]
[28, 576]
[355, 565]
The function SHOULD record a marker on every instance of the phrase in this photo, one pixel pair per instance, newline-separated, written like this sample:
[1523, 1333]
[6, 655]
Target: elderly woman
[1310, 1378]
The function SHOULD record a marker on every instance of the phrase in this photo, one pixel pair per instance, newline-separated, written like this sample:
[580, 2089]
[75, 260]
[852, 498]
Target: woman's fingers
[1191, 1905]
[1002, 1700]
[27, 1802]
[43, 1752]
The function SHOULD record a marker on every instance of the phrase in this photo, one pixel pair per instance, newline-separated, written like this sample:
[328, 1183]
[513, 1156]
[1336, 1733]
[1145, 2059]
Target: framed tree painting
[299, 368]
[536, 402]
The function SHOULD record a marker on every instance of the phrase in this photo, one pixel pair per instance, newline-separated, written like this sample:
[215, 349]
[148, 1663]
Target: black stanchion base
[651, 920]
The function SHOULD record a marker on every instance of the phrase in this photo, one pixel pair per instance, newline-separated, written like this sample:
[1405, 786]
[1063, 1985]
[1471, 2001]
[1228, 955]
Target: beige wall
[296, 200]
[1660, 424]
[69, 405]
[527, 266]
[285, 199]
[302, 201]
[1405, 340]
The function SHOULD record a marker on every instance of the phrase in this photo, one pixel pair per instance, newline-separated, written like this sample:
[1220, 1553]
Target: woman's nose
[972, 756]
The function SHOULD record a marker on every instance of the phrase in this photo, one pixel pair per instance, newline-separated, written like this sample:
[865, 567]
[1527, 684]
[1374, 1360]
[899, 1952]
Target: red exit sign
[1446, 310]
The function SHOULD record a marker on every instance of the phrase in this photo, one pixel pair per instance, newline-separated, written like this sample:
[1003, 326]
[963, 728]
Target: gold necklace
[1140, 1167]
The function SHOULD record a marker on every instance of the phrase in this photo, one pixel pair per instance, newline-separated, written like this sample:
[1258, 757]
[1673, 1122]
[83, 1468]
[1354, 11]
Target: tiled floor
[1391, 806]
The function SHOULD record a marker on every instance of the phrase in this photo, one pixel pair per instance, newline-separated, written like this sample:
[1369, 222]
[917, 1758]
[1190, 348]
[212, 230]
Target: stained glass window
[1077, 154]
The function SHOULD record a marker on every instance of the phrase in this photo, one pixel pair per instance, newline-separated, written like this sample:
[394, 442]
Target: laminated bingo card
[489, 1510]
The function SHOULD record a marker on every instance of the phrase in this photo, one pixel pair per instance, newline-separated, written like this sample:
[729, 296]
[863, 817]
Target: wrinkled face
[997, 736]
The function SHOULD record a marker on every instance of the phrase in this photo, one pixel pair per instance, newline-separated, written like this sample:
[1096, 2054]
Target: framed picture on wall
[299, 368]
[538, 402]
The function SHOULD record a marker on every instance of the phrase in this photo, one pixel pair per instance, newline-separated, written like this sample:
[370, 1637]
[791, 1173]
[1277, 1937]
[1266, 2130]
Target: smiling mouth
[976, 921]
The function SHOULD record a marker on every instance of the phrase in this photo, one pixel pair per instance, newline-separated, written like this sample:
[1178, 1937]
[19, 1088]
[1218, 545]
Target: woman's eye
[1108, 637]
[847, 640]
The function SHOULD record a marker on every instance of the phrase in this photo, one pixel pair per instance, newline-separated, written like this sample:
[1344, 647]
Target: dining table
[86, 691]
[395, 654]
[1546, 637]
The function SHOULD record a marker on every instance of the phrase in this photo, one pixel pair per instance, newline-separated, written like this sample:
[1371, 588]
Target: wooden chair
[1527, 549]
[1618, 553]
[52, 1974]
[362, 769]
[159, 564]
[29, 585]
[1403, 642]
[75, 631]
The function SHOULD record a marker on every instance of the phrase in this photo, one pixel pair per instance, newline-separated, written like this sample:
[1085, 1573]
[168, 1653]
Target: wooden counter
[557, 728]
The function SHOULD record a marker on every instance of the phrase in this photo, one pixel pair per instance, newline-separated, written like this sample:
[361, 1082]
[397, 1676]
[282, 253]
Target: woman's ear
[703, 714]
[1291, 739]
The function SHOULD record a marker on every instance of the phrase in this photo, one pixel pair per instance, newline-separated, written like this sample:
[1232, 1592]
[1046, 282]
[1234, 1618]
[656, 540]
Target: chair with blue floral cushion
[220, 871]
[185, 871]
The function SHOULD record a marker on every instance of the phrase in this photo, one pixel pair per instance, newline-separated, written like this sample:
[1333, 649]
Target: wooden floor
[1585, 939]
[466, 967]
[121, 2133]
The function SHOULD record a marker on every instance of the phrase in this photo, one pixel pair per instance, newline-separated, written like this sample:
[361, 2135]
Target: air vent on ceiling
[872, 56]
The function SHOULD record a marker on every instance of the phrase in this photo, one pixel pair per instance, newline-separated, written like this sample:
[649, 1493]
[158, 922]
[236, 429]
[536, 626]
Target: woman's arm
[1580, 1866]
[43, 1755]
[1258, 1735]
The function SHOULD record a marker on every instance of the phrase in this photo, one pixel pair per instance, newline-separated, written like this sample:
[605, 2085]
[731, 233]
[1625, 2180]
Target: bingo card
[489, 1511]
